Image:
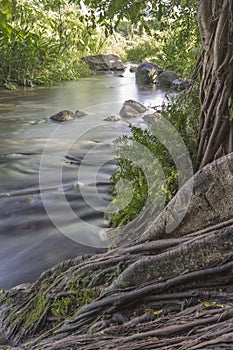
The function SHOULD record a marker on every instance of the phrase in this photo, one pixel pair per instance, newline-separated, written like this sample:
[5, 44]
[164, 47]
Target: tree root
[148, 300]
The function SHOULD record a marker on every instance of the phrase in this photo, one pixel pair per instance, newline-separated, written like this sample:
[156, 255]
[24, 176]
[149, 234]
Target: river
[54, 178]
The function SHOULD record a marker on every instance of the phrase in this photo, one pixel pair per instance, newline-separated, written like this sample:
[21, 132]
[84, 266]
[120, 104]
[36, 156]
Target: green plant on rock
[76, 294]
[45, 303]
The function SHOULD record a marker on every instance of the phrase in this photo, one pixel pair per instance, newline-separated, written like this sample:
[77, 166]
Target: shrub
[129, 201]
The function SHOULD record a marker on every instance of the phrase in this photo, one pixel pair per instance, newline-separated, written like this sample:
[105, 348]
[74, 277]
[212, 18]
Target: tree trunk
[216, 127]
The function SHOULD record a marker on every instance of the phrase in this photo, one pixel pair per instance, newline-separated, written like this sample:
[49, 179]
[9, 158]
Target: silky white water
[30, 241]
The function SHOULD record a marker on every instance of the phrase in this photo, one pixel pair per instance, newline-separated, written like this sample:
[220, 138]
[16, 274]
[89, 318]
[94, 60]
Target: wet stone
[112, 118]
[62, 116]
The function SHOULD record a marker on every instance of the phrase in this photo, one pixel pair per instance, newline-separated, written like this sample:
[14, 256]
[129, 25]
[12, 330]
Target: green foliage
[78, 294]
[61, 70]
[180, 44]
[25, 319]
[173, 43]
[134, 175]
[43, 42]
[129, 173]
[164, 32]
[183, 114]
[134, 11]
[61, 307]
[142, 48]
[110, 13]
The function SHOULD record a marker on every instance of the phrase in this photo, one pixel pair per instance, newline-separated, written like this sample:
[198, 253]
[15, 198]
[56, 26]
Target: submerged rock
[62, 116]
[147, 73]
[132, 108]
[80, 114]
[104, 62]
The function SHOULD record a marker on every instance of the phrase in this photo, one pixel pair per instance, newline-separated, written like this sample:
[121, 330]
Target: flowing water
[54, 178]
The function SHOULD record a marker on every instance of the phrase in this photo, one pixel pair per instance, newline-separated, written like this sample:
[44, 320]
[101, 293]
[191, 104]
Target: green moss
[61, 307]
[57, 294]
[88, 296]
[27, 320]
[79, 294]
[38, 307]
[65, 306]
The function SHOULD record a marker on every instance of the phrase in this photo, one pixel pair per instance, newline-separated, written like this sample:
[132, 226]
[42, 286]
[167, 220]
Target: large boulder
[166, 78]
[132, 108]
[104, 62]
[147, 73]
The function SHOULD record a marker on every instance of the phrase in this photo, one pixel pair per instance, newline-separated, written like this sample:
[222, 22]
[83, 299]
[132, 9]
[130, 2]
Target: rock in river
[166, 79]
[112, 118]
[104, 62]
[147, 73]
[80, 114]
[132, 108]
[63, 116]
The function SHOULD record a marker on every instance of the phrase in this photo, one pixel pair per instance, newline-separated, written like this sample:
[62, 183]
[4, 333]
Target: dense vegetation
[172, 41]
[42, 42]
